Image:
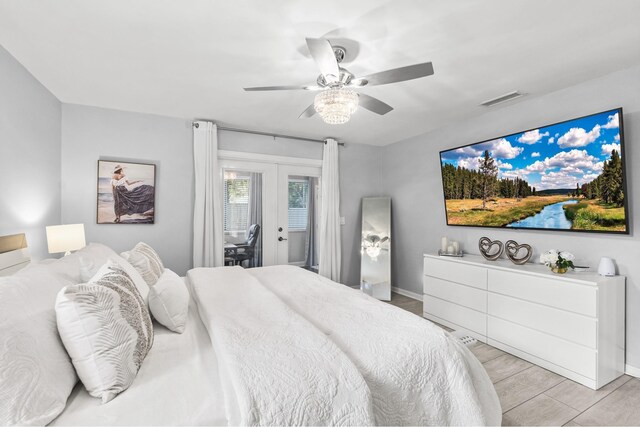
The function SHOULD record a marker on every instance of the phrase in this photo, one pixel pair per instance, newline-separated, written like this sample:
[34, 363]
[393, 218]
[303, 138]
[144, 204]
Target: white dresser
[571, 324]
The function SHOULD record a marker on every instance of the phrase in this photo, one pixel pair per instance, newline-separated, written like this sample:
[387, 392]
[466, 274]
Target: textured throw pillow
[106, 328]
[89, 267]
[146, 261]
[138, 280]
[169, 301]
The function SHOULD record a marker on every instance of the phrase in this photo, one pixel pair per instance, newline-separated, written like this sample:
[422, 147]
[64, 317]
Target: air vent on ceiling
[502, 98]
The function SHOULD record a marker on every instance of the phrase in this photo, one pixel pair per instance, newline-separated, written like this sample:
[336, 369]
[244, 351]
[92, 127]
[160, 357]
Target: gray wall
[90, 134]
[29, 155]
[261, 144]
[412, 179]
[359, 177]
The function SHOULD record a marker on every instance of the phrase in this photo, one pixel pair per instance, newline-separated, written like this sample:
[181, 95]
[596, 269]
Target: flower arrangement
[558, 261]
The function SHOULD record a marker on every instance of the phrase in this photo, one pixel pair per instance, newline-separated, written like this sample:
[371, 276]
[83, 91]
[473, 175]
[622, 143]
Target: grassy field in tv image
[564, 176]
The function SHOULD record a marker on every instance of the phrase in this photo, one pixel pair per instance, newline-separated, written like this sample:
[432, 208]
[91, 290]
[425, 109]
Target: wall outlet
[342, 221]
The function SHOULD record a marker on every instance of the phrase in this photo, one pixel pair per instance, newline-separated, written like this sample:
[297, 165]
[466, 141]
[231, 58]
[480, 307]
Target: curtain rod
[275, 135]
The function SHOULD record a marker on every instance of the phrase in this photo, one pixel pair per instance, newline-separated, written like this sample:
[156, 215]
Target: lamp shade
[65, 238]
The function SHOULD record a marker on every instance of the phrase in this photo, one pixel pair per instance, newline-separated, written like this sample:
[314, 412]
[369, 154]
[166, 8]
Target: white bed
[14, 254]
[415, 373]
[178, 384]
[274, 345]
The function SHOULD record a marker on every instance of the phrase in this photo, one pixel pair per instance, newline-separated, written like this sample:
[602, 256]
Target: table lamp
[65, 238]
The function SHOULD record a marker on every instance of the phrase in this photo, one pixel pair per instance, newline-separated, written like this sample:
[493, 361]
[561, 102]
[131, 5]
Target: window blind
[298, 204]
[236, 204]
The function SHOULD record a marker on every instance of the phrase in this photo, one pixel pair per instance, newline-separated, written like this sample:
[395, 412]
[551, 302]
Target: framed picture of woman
[126, 192]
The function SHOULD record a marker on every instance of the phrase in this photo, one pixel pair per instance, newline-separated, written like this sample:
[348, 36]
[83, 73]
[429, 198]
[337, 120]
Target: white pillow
[146, 261]
[88, 270]
[137, 279]
[169, 301]
[106, 328]
[36, 374]
[71, 266]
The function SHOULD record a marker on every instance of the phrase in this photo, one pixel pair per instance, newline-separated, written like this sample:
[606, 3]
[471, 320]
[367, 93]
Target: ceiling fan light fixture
[336, 105]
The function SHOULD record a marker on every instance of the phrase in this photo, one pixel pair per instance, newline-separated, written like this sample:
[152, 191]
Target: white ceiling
[191, 58]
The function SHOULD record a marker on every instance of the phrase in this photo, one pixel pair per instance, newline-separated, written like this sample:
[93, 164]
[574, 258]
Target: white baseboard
[632, 370]
[406, 293]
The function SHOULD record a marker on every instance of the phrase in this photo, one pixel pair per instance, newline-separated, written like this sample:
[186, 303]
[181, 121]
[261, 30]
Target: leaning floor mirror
[375, 265]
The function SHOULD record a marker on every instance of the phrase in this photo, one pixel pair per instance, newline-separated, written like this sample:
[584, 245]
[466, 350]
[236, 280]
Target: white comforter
[278, 368]
[301, 349]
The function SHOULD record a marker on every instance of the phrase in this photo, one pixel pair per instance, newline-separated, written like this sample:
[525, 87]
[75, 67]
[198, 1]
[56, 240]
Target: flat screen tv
[565, 176]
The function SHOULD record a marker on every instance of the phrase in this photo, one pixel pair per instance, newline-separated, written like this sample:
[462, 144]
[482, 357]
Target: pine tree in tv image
[566, 176]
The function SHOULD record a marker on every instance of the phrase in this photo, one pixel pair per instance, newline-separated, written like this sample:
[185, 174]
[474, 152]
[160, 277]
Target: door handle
[280, 239]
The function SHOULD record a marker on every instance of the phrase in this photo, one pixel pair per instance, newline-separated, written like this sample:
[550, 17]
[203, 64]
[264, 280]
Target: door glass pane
[236, 203]
[303, 205]
[242, 198]
[298, 203]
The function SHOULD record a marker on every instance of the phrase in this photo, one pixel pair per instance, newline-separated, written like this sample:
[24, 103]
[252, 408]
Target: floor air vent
[464, 338]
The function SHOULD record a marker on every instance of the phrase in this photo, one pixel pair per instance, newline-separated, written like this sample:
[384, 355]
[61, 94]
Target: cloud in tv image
[126, 193]
[566, 176]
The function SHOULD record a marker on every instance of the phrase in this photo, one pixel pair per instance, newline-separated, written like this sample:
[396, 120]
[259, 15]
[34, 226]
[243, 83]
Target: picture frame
[125, 192]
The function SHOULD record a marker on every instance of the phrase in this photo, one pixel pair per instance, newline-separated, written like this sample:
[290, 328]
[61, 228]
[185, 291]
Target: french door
[283, 199]
[298, 213]
[247, 196]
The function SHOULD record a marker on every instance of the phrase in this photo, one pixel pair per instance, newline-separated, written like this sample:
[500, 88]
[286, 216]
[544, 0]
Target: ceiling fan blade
[310, 111]
[395, 75]
[373, 104]
[322, 53]
[292, 87]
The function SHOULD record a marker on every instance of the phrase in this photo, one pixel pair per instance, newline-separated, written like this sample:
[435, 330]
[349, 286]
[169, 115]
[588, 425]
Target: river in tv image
[551, 216]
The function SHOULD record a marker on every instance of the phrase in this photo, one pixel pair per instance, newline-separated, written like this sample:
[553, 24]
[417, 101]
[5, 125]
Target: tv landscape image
[565, 176]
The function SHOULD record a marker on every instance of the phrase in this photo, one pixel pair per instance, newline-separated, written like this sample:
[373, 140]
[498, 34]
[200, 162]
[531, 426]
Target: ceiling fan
[337, 100]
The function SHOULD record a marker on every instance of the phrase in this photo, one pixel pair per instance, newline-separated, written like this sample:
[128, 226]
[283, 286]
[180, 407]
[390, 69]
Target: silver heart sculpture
[486, 245]
[513, 248]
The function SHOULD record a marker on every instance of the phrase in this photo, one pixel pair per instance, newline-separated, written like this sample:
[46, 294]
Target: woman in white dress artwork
[131, 197]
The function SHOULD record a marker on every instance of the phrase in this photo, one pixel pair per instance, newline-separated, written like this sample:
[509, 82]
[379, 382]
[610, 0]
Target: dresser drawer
[459, 294]
[469, 275]
[572, 327]
[454, 313]
[562, 353]
[560, 294]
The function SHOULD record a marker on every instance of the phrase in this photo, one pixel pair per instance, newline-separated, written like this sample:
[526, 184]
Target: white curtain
[329, 241]
[311, 242]
[255, 214]
[208, 249]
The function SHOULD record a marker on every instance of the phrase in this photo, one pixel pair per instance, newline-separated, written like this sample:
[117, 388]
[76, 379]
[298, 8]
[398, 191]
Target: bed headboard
[14, 253]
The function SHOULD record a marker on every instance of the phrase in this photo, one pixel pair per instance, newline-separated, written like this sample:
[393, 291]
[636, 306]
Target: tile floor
[531, 395]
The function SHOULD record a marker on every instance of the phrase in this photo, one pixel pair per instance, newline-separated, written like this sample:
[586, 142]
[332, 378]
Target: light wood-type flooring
[531, 395]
